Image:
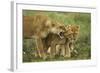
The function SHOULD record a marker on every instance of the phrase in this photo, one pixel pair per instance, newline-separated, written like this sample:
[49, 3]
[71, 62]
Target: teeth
[61, 36]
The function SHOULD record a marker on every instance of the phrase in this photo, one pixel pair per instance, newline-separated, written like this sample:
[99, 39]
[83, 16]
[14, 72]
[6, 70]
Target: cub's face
[72, 32]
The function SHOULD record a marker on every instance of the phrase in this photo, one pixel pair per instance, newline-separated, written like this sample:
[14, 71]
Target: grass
[83, 44]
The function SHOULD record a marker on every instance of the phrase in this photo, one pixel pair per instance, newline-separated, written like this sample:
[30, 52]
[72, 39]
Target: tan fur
[39, 26]
[51, 41]
[65, 45]
[73, 31]
[72, 35]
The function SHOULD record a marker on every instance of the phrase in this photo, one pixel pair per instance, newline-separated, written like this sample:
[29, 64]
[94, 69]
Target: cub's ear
[68, 27]
[78, 27]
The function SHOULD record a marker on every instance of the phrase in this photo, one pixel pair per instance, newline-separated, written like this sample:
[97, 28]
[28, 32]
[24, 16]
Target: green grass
[83, 44]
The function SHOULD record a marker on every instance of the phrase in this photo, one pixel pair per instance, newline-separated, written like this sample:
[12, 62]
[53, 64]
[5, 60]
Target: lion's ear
[48, 23]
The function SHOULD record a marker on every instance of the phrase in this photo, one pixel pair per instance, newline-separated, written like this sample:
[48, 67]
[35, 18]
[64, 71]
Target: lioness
[39, 26]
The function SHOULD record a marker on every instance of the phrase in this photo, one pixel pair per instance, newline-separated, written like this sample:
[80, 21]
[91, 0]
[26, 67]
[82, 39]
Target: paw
[67, 56]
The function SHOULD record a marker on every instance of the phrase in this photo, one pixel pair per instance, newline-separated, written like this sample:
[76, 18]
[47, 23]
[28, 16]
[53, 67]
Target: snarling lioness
[39, 26]
[63, 46]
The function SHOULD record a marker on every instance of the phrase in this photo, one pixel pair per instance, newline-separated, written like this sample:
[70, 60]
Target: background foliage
[83, 44]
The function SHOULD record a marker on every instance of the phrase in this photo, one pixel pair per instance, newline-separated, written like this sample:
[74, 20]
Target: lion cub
[71, 36]
[63, 46]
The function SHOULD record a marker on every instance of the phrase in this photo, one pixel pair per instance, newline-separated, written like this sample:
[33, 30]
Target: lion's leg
[72, 48]
[58, 48]
[53, 51]
[36, 54]
[40, 48]
[63, 50]
[67, 50]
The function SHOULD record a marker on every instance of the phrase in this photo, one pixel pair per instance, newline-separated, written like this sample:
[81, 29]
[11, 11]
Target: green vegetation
[82, 45]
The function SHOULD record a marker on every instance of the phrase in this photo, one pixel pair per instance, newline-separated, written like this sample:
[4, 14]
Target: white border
[17, 64]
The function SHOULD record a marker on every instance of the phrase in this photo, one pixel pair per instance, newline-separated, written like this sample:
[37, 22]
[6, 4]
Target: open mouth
[61, 35]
